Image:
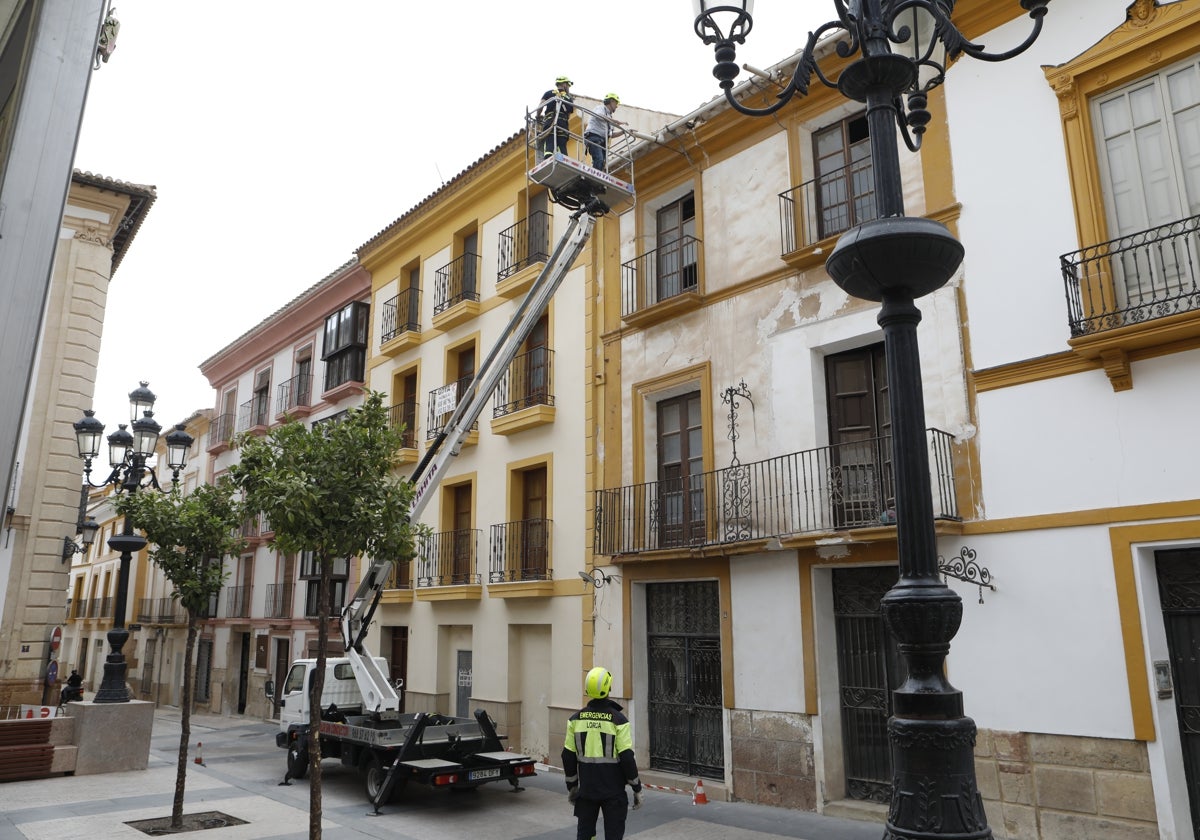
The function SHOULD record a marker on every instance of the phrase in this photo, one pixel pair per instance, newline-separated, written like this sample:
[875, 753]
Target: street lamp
[902, 49]
[128, 453]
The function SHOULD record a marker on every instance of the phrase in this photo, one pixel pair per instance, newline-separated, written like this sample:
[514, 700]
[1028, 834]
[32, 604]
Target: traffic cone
[199, 759]
[698, 796]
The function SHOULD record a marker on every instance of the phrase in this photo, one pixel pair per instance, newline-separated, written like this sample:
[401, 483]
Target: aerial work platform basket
[570, 177]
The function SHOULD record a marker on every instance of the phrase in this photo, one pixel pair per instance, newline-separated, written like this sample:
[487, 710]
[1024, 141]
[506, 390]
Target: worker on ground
[598, 759]
[599, 128]
[554, 117]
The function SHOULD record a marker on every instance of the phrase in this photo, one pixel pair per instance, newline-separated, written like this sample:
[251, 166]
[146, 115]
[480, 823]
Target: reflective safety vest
[598, 751]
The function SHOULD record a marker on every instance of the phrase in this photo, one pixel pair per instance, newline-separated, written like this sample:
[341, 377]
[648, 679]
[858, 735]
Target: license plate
[491, 773]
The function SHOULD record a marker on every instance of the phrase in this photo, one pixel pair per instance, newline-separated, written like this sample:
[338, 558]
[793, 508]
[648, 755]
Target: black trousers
[614, 810]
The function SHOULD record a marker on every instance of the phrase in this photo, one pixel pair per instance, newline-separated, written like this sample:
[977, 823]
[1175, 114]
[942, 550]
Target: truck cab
[340, 689]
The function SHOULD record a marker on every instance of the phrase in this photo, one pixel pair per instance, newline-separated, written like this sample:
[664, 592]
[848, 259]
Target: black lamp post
[128, 453]
[903, 47]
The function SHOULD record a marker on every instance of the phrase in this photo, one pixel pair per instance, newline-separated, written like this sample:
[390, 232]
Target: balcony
[662, 283]
[405, 414]
[524, 250]
[456, 292]
[254, 413]
[822, 209]
[237, 601]
[525, 395]
[401, 326]
[295, 397]
[521, 553]
[450, 559]
[221, 432]
[279, 600]
[1134, 279]
[833, 488]
[442, 402]
[160, 611]
[401, 576]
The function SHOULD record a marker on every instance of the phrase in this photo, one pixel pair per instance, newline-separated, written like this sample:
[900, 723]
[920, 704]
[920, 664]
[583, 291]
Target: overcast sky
[283, 134]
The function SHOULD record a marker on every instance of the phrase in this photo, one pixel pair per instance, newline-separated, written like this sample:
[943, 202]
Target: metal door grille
[1179, 593]
[684, 653]
[869, 669]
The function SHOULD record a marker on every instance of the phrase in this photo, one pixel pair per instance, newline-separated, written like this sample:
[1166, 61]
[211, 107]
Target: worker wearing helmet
[598, 759]
[599, 128]
[554, 117]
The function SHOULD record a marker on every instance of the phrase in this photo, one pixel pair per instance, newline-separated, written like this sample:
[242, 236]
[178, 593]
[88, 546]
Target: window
[260, 413]
[534, 527]
[404, 410]
[676, 232]
[346, 345]
[845, 189]
[680, 470]
[310, 575]
[860, 463]
[1148, 138]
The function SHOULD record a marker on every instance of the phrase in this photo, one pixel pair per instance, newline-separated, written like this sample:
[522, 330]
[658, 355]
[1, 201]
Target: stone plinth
[112, 736]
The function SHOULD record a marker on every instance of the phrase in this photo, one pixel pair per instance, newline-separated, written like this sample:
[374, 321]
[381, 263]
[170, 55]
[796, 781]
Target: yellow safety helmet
[598, 683]
[613, 97]
[563, 80]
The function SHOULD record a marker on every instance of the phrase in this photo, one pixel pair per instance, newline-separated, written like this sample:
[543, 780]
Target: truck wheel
[297, 762]
[374, 776]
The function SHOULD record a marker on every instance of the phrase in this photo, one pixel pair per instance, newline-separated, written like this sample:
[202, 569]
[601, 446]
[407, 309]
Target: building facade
[102, 217]
[305, 362]
[744, 493]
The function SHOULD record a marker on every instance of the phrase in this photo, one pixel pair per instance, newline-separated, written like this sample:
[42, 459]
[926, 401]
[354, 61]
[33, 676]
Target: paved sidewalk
[241, 778]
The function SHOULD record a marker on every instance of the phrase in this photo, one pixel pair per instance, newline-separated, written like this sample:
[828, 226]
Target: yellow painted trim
[514, 467]
[519, 283]
[1031, 370]
[401, 342]
[1123, 539]
[459, 313]
[1083, 518]
[700, 374]
[446, 511]
[397, 596]
[522, 589]
[467, 592]
[525, 418]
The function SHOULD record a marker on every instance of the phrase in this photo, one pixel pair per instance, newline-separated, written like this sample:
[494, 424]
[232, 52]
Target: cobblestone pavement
[243, 767]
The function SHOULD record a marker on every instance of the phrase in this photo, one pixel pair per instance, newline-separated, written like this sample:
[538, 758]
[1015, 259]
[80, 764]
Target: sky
[283, 134]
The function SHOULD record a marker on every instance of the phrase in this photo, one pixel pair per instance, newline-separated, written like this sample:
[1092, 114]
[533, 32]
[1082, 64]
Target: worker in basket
[599, 128]
[554, 117]
[598, 760]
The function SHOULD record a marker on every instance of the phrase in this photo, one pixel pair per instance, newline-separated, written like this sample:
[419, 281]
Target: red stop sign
[56, 638]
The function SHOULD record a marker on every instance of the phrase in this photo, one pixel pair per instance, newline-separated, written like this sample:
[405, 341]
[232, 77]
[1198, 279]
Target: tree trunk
[185, 728]
[324, 599]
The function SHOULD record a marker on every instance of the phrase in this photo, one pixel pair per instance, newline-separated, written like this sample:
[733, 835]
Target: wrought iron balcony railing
[401, 314]
[93, 610]
[295, 393]
[449, 558]
[661, 274]
[827, 205]
[442, 403]
[528, 381]
[455, 282]
[237, 601]
[1136, 278]
[521, 551]
[222, 430]
[405, 413]
[525, 243]
[160, 611]
[254, 412]
[279, 600]
[210, 611]
[826, 489]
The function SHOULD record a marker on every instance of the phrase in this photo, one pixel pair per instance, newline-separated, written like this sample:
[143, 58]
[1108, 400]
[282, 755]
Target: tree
[189, 536]
[329, 490]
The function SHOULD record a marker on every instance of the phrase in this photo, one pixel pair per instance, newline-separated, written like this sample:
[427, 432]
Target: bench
[25, 750]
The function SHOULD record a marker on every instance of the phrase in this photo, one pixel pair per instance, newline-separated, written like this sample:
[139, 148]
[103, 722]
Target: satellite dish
[587, 578]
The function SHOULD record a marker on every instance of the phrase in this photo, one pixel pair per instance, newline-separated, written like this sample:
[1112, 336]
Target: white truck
[361, 722]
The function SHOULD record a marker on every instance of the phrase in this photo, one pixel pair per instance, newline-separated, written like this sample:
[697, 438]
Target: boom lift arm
[378, 693]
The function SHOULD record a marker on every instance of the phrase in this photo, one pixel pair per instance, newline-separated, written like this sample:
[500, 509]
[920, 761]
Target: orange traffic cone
[698, 796]
[199, 759]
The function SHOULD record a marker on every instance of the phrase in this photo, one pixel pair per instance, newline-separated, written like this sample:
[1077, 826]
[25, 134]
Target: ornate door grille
[684, 652]
[869, 669]
[1179, 593]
